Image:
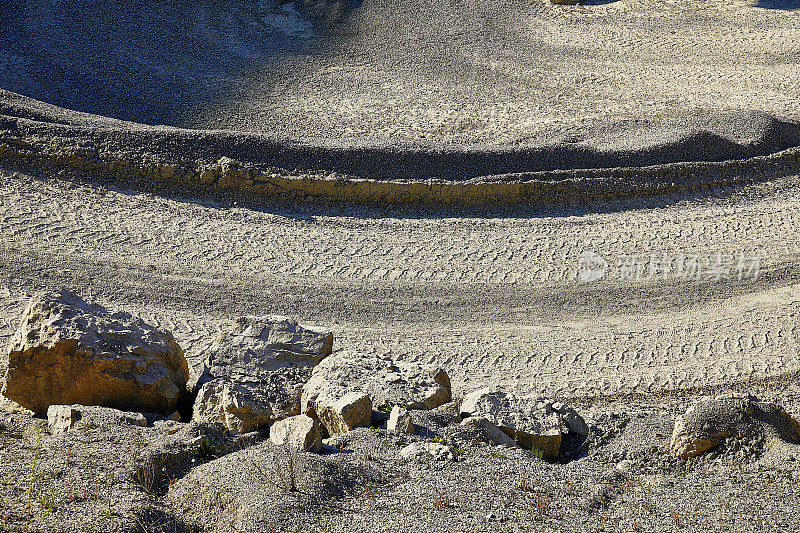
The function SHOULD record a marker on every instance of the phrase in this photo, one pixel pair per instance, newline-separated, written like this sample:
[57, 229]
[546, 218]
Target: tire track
[492, 298]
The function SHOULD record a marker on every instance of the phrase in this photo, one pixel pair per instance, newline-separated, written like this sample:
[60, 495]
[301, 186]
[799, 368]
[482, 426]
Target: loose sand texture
[470, 72]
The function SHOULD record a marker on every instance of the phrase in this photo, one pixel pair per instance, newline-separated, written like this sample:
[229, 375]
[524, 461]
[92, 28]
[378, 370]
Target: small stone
[489, 430]
[427, 450]
[202, 440]
[625, 465]
[400, 421]
[340, 411]
[62, 418]
[300, 432]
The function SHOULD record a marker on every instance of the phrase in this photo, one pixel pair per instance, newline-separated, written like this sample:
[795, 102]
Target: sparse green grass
[47, 501]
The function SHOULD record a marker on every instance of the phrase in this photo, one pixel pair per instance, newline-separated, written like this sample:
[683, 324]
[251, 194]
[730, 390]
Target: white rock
[340, 411]
[258, 368]
[400, 421]
[533, 424]
[62, 418]
[256, 347]
[387, 382]
[426, 450]
[238, 408]
[300, 432]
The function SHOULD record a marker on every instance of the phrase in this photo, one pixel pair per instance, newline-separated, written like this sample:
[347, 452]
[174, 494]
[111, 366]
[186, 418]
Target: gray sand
[480, 72]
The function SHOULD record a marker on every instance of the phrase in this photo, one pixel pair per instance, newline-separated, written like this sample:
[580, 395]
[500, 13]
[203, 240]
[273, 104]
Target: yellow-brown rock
[67, 351]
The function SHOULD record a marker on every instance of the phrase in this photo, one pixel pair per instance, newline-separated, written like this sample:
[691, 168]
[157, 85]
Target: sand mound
[370, 90]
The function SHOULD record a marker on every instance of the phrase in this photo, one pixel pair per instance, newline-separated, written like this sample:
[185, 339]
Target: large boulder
[257, 346]
[532, 423]
[68, 351]
[254, 372]
[387, 383]
[709, 422]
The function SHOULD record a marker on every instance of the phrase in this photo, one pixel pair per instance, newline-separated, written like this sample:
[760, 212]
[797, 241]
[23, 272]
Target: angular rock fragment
[707, 424]
[238, 408]
[489, 430]
[340, 411]
[533, 424]
[254, 371]
[257, 346]
[67, 351]
[400, 421]
[300, 432]
[63, 418]
[385, 382]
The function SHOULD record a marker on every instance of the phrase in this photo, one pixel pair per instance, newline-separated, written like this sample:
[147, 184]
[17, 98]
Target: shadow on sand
[142, 61]
[779, 4]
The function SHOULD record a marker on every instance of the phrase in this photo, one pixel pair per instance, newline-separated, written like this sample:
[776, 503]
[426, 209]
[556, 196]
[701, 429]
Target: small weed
[47, 501]
[205, 451]
[284, 473]
[537, 452]
[497, 455]
[441, 501]
[34, 481]
[438, 440]
[369, 489]
[386, 407]
[541, 506]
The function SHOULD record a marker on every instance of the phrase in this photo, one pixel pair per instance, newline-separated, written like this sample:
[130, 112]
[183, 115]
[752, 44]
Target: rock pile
[530, 423]
[75, 360]
[344, 387]
[253, 372]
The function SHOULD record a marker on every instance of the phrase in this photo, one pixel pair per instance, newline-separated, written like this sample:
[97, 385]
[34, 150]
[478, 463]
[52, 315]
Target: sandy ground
[492, 296]
[629, 309]
[459, 71]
